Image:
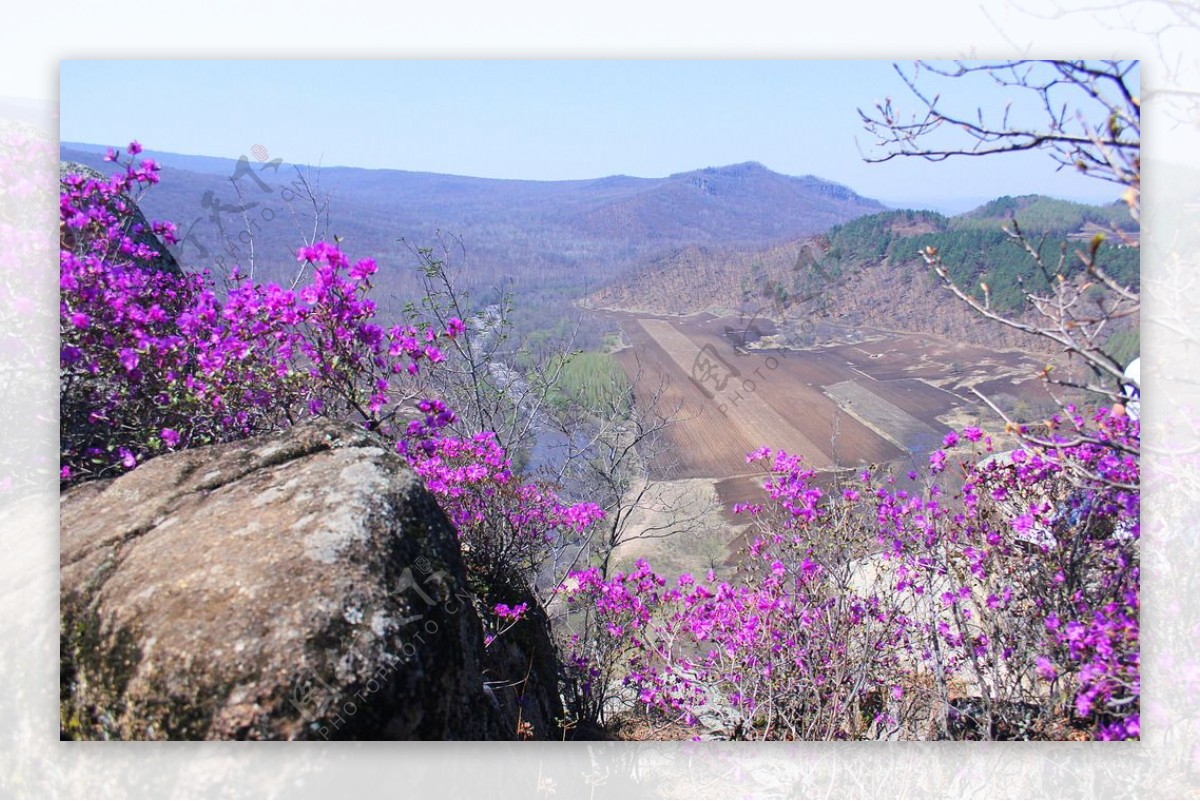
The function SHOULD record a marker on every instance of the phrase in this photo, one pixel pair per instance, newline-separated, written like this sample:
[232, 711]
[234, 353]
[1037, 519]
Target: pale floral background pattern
[1165, 34]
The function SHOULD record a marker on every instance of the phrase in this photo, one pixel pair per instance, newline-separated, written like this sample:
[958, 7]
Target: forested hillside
[976, 248]
[533, 232]
[869, 271]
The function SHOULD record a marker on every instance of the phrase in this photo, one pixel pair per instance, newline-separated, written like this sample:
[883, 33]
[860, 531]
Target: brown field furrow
[921, 400]
[738, 399]
[887, 419]
[788, 382]
[876, 401]
[703, 444]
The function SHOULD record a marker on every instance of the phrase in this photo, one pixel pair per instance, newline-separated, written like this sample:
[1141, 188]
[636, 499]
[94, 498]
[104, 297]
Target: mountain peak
[746, 168]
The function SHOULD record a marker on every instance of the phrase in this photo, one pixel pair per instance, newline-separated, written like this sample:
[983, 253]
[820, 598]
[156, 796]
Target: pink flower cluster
[804, 643]
[511, 520]
[777, 655]
[152, 361]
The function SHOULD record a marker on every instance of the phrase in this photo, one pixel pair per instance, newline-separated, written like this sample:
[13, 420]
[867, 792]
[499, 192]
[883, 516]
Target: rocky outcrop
[135, 223]
[302, 585]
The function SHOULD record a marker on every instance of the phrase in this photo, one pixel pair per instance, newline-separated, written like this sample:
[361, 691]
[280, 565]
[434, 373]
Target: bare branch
[1100, 136]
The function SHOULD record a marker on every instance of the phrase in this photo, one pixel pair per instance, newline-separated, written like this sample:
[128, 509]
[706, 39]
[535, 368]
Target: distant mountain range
[553, 235]
[718, 238]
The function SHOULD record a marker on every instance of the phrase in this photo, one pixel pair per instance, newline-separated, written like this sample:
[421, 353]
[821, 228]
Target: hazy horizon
[546, 120]
[945, 204]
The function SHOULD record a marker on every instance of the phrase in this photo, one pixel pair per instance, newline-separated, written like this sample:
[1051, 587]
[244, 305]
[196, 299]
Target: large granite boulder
[135, 223]
[302, 585]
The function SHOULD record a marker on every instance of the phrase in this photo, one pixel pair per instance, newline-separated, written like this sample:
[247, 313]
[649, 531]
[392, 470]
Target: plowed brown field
[840, 405]
[868, 398]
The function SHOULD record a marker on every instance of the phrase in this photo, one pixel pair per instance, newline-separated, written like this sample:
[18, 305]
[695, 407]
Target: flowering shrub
[877, 611]
[794, 650]
[154, 361]
[509, 528]
[1085, 587]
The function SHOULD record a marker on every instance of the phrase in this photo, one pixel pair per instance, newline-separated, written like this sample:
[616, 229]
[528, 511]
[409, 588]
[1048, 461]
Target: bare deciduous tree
[480, 381]
[609, 453]
[1090, 120]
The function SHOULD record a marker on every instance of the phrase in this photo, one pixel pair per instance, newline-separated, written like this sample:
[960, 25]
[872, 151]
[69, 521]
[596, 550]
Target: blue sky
[545, 120]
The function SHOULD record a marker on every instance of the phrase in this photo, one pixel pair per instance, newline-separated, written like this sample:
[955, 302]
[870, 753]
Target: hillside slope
[868, 272]
[537, 233]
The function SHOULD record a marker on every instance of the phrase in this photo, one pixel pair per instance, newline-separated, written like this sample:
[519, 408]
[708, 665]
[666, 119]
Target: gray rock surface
[302, 585]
